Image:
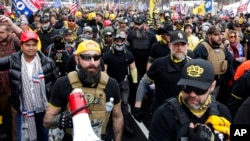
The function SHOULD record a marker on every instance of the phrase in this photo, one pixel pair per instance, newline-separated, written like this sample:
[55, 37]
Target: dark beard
[88, 78]
[4, 41]
[215, 43]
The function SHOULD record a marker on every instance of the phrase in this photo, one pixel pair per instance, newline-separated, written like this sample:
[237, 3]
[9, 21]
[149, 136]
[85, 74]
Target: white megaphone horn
[82, 129]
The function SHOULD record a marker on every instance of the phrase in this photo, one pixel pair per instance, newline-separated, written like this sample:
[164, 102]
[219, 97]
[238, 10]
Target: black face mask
[59, 44]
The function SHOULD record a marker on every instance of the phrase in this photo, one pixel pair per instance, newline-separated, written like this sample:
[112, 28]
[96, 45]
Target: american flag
[73, 7]
[243, 6]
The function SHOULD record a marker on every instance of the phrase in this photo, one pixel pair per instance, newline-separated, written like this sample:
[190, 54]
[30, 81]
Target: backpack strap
[213, 110]
[180, 114]
[103, 81]
[74, 80]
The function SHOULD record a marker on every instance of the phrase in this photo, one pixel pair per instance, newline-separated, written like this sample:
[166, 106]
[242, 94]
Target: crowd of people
[193, 72]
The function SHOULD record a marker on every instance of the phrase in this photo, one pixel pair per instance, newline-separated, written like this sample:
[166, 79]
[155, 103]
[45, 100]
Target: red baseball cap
[28, 35]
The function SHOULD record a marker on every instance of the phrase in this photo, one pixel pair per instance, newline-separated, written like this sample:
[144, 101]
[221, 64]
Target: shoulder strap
[104, 80]
[180, 114]
[188, 58]
[207, 46]
[213, 110]
[74, 80]
[50, 48]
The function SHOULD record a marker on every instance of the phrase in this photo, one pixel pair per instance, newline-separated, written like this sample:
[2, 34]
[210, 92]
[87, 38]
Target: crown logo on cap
[194, 71]
[180, 35]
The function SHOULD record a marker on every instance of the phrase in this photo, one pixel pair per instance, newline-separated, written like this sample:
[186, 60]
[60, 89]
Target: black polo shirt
[118, 63]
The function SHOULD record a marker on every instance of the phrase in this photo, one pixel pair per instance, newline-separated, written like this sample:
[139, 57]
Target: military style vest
[96, 96]
[217, 58]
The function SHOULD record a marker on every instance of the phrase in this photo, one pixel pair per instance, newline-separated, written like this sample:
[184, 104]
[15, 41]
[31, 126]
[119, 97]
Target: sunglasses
[88, 57]
[189, 89]
[232, 36]
[108, 36]
[71, 20]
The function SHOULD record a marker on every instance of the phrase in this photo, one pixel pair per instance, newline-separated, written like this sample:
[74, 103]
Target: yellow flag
[200, 9]
[151, 7]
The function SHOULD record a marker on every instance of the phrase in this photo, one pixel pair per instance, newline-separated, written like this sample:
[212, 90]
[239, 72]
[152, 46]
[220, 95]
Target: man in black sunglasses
[194, 114]
[98, 89]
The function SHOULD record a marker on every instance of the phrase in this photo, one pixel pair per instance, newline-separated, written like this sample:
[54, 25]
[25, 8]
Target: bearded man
[9, 43]
[97, 87]
[140, 41]
[165, 73]
[215, 52]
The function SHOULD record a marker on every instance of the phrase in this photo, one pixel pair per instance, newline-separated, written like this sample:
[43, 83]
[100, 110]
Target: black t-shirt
[62, 89]
[46, 38]
[118, 64]
[159, 50]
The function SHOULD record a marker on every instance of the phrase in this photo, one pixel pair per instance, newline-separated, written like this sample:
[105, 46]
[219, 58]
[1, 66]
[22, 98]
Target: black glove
[200, 133]
[138, 114]
[65, 120]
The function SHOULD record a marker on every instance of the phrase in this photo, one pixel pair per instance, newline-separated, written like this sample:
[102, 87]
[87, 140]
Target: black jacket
[165, 125]
[13, 64]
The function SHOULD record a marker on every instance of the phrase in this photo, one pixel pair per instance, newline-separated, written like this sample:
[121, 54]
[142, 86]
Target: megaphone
[82, 129]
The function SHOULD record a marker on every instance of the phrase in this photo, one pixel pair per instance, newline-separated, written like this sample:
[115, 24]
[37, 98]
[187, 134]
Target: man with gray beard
[98, 89]
[165, 73]
[140, 41]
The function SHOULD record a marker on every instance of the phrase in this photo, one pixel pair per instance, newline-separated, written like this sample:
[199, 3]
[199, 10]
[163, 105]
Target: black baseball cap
[59, 34]
[167, 28]
[197, 73]
[213, 30]
[178, 36]
[139, 20]
[67, 32]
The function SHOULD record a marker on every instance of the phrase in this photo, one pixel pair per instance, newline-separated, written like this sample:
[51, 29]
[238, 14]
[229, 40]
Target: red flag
[243, 7]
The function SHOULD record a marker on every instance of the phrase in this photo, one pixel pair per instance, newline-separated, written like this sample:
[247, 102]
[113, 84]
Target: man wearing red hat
[31, 77]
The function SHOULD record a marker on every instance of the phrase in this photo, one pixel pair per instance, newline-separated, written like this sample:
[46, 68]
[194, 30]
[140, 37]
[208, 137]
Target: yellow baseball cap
[88, 45]
[91, 16]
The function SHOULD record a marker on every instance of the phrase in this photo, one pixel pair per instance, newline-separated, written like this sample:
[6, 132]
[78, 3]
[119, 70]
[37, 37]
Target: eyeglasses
[88, 57]
[232, 36]
[189, 89]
